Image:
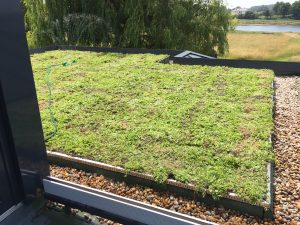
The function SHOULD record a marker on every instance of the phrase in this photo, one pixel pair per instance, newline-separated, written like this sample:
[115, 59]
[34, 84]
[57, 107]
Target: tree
[296, 10]
[178, 24]
[282, 8]
[267, 14]
[277, 8]
[286, 8]
[249, 15]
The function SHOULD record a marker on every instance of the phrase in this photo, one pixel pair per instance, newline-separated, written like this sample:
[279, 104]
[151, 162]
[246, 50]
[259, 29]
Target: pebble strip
[287, 151]
[287, 172]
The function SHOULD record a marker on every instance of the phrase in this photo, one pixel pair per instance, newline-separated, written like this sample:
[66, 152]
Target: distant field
[269, 22]
[264, 46]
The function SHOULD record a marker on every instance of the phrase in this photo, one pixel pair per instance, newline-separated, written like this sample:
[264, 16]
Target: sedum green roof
[208, 126]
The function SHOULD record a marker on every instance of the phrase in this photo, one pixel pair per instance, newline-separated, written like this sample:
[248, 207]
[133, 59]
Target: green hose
[47, 78]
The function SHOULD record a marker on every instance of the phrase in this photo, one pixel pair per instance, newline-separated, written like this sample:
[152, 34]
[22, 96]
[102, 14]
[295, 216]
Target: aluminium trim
[10, 211]
[121, 207]
[186, 54]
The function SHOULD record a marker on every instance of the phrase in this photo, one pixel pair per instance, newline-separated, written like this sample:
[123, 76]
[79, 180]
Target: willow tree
[135, 28]
[36, 23]
[211, 22]
[165, 23]
[199, 25]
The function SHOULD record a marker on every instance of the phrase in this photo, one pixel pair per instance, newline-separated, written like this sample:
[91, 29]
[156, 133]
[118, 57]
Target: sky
[249, 3]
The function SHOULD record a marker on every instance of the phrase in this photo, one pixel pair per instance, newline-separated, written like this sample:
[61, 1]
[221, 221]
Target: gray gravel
[287, 172]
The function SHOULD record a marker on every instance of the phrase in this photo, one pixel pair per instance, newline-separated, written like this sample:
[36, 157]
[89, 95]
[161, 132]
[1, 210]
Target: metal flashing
[124, 209]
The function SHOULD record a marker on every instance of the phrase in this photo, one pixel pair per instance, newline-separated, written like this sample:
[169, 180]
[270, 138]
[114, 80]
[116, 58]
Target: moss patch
[208, 126]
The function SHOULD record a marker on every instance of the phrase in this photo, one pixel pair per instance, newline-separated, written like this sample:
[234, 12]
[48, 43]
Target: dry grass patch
[264, 46]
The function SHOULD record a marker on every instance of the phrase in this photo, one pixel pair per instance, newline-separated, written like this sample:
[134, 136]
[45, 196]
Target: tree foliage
[267, 14]
[296, 10]
[282, 8]
[199, 25]
[249, 15]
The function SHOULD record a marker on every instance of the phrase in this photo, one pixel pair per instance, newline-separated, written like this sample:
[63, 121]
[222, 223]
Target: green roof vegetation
[208, 126]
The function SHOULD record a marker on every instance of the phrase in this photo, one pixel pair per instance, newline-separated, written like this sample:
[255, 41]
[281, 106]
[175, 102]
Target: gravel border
[287, 175]
[287, 151]
[231, 201]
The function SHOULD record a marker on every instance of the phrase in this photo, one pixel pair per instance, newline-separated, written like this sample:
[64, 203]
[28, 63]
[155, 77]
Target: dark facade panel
[19, 94]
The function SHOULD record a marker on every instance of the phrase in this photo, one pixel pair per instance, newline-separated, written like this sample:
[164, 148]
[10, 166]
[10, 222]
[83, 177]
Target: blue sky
[249, 3]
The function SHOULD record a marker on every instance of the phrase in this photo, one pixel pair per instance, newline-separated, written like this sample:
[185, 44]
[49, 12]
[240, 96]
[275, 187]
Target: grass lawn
[264, 46]
[268, 22]
[208, 126]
